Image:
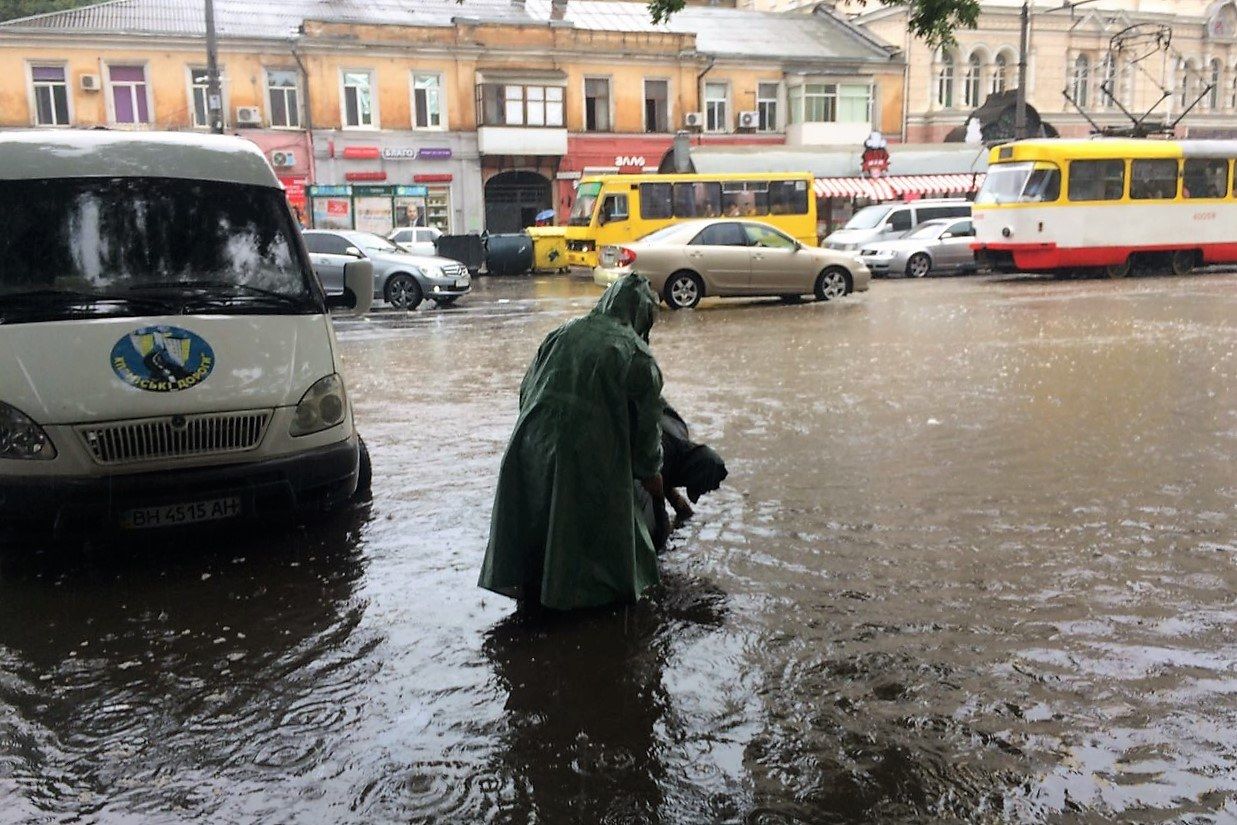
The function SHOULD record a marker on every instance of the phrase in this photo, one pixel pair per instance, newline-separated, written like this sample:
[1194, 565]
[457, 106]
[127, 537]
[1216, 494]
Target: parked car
[418, 240]
[889, 221]
[401, 279]
[937, 246]
[723, 258]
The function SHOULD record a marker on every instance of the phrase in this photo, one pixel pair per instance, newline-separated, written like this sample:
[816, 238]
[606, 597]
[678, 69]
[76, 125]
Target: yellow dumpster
[549, 248]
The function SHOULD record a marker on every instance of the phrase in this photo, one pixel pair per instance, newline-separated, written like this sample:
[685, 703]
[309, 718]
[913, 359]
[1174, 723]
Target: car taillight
[626, 257]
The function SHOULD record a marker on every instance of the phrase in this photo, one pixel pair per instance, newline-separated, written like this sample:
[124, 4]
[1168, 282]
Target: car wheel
[402, 291]
[365, 474]
[919, 265]
[683, 290]
[834, 282]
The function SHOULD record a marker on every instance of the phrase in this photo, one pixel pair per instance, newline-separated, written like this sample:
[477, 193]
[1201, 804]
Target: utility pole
[1020, 112]
[214, 96]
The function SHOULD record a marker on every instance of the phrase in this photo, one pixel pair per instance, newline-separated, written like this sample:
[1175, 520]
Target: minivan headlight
[321, 407]
[21, 437]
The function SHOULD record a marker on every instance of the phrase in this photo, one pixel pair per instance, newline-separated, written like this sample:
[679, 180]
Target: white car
[418, 240]
[166, 354]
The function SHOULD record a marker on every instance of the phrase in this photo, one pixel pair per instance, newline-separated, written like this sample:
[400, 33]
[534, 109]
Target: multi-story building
[1070, 53]
[469, 116]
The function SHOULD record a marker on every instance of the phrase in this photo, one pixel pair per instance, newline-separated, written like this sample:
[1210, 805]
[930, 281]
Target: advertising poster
[373, 214]
[332, 213]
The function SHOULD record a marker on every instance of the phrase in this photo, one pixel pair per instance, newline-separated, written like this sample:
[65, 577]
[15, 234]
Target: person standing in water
[567, 529]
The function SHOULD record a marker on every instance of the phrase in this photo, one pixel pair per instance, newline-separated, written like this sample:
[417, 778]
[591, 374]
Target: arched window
[971, 82]
[1080, 81]
[1185, 83]
[1217, 77]
[1232, 90]
[1000, 73]
[945, 81]
[1108, 81]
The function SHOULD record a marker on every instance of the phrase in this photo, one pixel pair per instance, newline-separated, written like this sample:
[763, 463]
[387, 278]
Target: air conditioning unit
[283, 159]
[248, 116]
[694, 120]
[90, 83]
[749, 120]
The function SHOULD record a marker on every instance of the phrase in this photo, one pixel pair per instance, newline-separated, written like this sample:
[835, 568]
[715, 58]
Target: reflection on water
[975, 562]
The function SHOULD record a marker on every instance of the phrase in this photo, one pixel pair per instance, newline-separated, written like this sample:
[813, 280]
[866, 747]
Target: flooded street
[975, 561]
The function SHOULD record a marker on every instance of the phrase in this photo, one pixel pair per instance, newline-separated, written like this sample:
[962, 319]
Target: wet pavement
[975, 561]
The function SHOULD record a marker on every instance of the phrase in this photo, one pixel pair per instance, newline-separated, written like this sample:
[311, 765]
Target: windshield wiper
[71, 296]
[246, 289]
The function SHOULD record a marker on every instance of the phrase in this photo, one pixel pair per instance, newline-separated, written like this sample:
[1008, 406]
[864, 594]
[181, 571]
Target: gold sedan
[731, 258]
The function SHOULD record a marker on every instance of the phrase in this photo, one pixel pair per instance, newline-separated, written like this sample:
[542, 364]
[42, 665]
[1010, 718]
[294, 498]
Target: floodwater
[975, 561]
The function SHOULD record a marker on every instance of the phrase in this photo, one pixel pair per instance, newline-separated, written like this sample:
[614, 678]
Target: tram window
[1096, 180]
[1153, 179]
[1205, 178]
[655, 201]
[1043, 185]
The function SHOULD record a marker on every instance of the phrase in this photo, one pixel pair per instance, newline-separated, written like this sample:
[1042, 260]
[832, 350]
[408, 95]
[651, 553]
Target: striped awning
[898, 186]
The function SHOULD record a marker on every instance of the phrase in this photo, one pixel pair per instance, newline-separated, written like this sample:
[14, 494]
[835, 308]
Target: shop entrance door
[513, 199]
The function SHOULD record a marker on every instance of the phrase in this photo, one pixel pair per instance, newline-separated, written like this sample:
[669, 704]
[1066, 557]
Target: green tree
[935, 21]
[12, 9]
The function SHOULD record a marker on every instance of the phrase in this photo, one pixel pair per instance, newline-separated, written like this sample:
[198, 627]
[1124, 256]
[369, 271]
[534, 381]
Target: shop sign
[361, 152]
[330, 191]
[434, 153]
[875, 160]
[432, 178]
[411, 191]
[398, 152]
[379, 175]
[372, 191]
[628, 161]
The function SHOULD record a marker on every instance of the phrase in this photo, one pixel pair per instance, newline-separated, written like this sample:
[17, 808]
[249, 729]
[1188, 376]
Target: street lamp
[1020, 112]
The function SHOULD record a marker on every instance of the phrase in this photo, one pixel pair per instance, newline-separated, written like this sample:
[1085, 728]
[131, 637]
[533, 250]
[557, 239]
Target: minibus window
[788, 197]
[1153, 179]
[697, 200]
[745, 198]
[656, 201]
[614, 208]
[586, 201]
[1205, 178]
[114, 241]
[1096, 180]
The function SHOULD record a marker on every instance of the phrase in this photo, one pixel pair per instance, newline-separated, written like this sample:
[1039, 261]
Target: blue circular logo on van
[162, 359]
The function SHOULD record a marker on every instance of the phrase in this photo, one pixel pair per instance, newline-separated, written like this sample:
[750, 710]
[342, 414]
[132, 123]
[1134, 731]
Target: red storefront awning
[898, 186]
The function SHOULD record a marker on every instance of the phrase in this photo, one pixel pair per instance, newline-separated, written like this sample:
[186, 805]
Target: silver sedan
[401, 279]
[942, 245]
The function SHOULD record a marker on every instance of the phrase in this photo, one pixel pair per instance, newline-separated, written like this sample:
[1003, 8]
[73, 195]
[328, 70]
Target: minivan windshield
[868, 217]
[85, 247]
[586, 200]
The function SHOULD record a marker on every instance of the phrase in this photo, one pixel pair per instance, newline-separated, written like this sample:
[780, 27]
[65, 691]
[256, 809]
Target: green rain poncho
[565, 519]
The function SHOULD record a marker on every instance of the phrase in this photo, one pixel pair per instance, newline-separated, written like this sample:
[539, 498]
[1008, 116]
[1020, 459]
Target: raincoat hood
[630, 302]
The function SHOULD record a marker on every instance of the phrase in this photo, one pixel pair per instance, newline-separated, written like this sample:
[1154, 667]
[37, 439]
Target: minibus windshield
[81, 247]
[867, 218]
[586, 200]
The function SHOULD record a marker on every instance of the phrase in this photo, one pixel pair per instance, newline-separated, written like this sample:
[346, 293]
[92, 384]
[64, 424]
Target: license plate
[460, 282]
[171, 515]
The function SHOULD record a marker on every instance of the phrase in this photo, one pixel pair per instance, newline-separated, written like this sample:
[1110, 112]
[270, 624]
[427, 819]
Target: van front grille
[151, 439]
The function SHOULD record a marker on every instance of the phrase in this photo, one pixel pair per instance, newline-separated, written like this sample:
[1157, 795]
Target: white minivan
[890, 221]
[166, 353]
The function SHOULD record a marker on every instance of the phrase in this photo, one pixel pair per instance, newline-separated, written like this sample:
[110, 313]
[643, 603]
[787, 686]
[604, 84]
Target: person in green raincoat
[567, 530]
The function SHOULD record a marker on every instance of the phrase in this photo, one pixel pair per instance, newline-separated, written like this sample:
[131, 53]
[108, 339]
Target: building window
[1186, 86]
[1232, 91]
[283, 98]
[51, 96]
[199, 94]
[657, 106]
[945, 81]
[128, 93]
[1000, 74]
[766, 106]
[854, 103]
[1080, 81]
[358, 100]
[427, 101]
[596, 104]
[716, 102]
[514, 105]
[831, 103]
[1108, 79]
[971, 82]
[1217, 76]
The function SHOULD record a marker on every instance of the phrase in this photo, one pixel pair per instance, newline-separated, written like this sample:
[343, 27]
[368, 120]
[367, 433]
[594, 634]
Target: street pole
[1020, 111]
[214, 97]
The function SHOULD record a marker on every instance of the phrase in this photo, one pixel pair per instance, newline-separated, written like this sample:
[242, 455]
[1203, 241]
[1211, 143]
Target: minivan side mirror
[358, 294]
